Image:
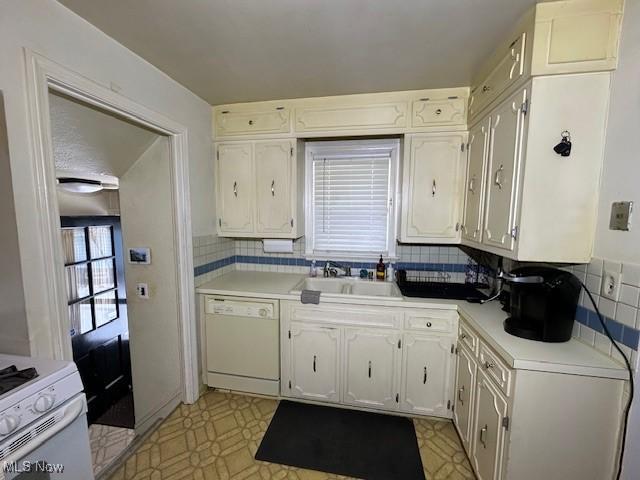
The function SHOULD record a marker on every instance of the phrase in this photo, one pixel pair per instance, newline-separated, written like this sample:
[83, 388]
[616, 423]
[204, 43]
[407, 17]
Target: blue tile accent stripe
[303, 262]
[621, 333]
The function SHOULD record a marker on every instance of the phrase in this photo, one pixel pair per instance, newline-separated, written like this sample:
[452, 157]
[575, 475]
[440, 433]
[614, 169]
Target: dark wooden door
[97, 308]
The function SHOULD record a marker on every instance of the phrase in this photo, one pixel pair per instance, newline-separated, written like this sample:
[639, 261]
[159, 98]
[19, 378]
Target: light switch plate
[142, 290]
[611, 285]
[620, 216]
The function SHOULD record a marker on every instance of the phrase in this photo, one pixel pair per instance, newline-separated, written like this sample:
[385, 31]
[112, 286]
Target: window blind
[351, 195]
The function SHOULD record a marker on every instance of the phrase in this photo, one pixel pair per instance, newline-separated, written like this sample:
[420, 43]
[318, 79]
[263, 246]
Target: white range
[43, 423]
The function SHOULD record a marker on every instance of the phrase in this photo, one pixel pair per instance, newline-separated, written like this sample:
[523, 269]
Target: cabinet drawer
[364, 316]
[351, 117]
[438, 111]
[468, 338]
[508, 70]
[229, 122]
[431, 321]
[494, 368]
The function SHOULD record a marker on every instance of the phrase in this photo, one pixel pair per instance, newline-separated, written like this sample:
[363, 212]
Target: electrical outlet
[142, 290]
[611, 285]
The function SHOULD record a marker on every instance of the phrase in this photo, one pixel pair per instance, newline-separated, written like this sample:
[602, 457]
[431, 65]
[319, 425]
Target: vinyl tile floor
[217, 437]
[107, 443]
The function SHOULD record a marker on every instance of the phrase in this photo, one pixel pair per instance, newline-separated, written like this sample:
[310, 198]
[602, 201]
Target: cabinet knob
[429, 324]
[489, 365]
[438, 111]
[463, 336]
[250, 122]
[486, 88]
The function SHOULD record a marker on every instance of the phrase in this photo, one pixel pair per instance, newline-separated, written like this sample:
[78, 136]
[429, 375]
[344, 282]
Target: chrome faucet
[330, 269]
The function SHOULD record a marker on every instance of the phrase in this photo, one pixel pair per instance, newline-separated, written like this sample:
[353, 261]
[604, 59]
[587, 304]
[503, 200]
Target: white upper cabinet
[538, 205]
[259, 189]
[503, 167]
[410, 111]
[508, 70]
[556, 37]
[427, 381]
[235, 188]
[576, 36]
[474, 189]
[314, 362]
[350, 114]
[251, 119]
[432, 195]
[371, 368]
[429, 111]
[274, 185]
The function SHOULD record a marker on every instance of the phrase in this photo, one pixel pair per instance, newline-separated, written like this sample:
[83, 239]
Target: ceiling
[246, 50]
[88, 140]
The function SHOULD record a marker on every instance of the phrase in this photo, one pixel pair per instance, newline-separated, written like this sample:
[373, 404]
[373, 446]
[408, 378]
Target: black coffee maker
[543, 303]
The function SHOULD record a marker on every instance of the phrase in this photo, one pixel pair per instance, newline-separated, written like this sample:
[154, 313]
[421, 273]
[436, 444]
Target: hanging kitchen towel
[277, 246]
[310, 296]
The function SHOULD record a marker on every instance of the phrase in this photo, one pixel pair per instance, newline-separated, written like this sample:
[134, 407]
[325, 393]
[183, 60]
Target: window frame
[392, 146]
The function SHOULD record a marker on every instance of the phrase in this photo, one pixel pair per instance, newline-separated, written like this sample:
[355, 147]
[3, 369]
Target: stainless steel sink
[349, 287]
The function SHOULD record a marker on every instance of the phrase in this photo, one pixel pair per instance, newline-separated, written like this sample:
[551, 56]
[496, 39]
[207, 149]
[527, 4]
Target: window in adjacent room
[350, 198]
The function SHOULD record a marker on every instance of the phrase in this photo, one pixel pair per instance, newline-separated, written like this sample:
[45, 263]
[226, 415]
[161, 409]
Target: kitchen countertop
[572, 357]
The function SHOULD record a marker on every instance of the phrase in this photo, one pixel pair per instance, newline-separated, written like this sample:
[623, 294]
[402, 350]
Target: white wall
[621, 181]
[147, 221]
[621, 174]
[50, 29]
[13, 325]
[105, 202]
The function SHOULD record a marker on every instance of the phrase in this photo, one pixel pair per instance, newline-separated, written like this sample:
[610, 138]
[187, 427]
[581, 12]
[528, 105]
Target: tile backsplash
[621, 317]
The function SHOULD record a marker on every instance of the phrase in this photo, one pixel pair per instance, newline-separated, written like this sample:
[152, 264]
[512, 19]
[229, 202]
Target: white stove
[43, 424]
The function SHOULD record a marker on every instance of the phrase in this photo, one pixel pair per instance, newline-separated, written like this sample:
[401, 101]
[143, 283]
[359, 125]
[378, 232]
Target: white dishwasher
[243, 344]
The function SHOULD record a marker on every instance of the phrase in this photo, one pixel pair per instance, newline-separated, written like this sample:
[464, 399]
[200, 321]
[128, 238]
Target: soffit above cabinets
[230, 52]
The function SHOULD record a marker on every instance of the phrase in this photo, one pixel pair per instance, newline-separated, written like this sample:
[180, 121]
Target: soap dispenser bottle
[380, 270]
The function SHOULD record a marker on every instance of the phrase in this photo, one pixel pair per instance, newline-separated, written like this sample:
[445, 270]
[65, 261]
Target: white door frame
[44, 74]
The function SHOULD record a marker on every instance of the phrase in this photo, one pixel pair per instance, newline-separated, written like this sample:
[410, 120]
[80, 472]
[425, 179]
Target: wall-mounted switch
[142, 290]
[620, 216]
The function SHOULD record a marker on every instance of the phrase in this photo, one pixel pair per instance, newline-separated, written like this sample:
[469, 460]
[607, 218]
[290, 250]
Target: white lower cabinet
[334, 353]
[465, 385]
[427, 374]
[371, 368]
[490, 409]
[314, 362]
[518, 424]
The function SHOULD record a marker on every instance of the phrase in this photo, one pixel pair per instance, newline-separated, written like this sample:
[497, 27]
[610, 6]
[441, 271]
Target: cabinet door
[508, 70]
[261, 119]
[476, 172]
[235, 188]
[274, 184]
[504, 173]
[371, 368]
[426, 112]
[488, 430]
[465, 384]
[433, 174]
[426, 375]
[314, 359]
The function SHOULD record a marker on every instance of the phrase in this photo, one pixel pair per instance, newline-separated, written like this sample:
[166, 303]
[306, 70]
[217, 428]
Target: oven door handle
[71, 412]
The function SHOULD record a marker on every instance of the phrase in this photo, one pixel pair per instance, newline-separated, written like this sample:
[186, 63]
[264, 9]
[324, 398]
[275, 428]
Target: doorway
[99, 326]
[114, 196]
